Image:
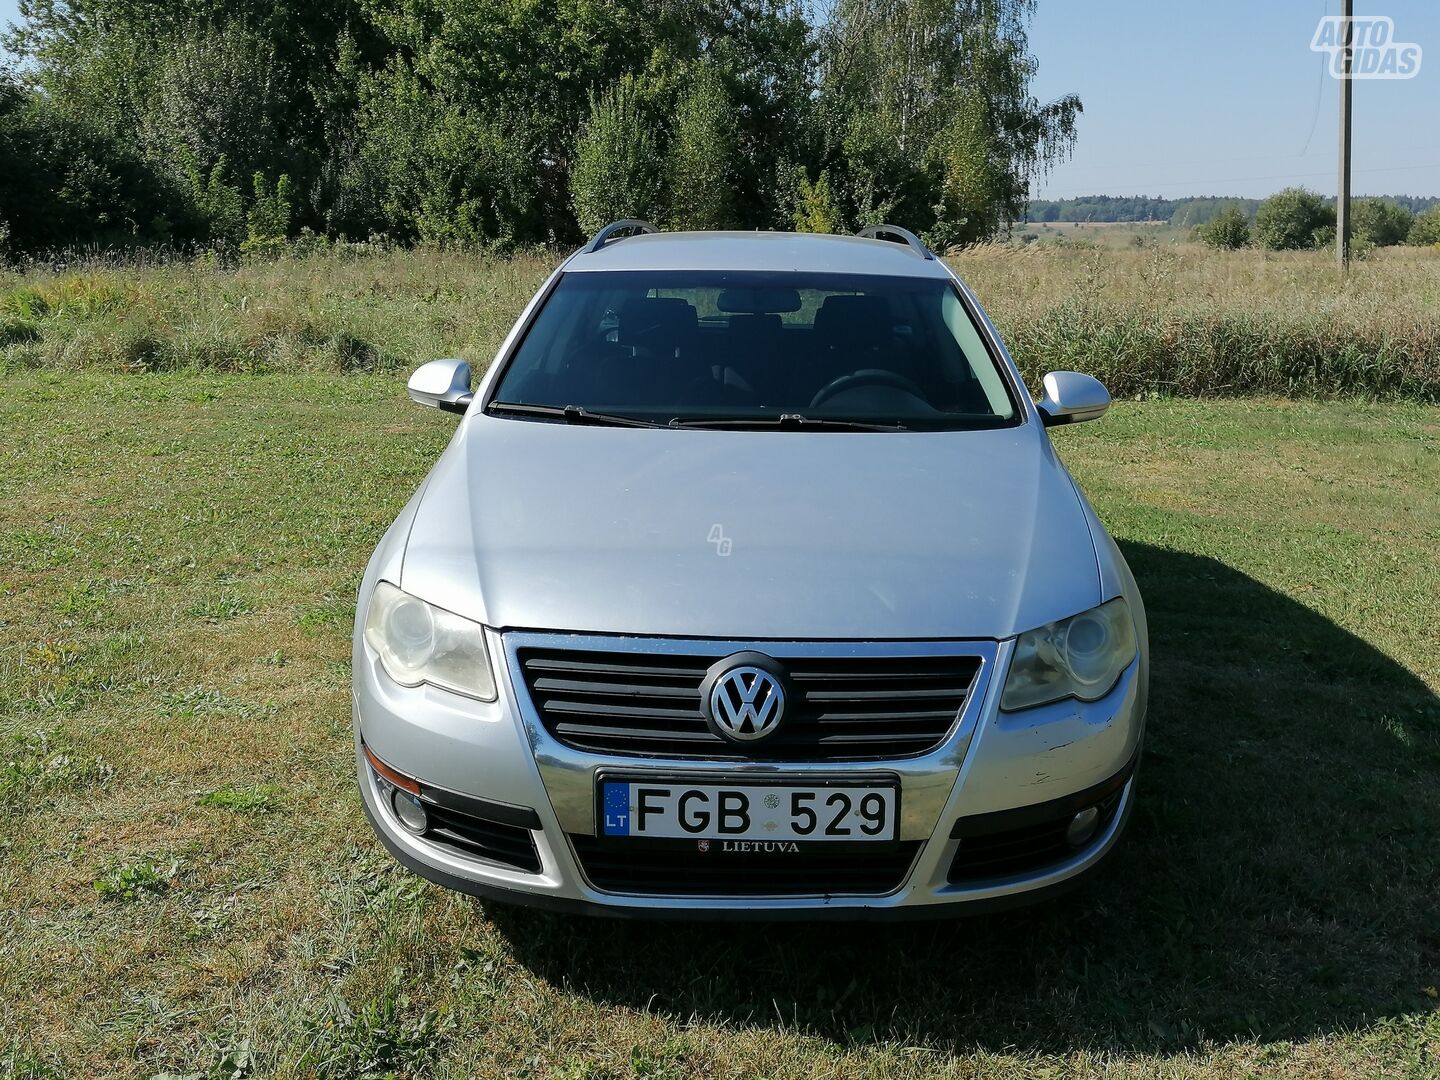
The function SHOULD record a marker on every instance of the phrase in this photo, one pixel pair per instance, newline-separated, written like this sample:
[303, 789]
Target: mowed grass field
[187, 885]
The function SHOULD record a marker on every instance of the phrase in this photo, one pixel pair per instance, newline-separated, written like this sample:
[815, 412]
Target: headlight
[1082, 656]
[419, 643]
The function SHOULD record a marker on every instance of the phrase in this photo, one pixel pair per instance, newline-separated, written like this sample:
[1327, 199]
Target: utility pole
[1342, 200]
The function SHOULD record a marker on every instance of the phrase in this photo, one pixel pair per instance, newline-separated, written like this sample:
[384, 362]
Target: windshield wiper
[792, 421]
[571, 414]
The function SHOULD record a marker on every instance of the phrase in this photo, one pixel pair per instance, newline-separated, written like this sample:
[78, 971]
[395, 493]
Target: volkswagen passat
[750, 583]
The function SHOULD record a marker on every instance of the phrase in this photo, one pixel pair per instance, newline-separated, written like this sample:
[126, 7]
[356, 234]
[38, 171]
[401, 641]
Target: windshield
[711, 348]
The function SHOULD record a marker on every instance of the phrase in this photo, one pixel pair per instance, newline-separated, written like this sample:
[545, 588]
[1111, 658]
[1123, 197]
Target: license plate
[716, 810]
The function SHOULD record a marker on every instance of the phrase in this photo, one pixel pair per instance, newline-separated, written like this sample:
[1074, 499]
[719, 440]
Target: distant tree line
[1100, 208]
[1184, 213]
[495, 123]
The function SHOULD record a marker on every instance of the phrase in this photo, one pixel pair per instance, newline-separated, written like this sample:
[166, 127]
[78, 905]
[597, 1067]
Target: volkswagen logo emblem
[743, 697]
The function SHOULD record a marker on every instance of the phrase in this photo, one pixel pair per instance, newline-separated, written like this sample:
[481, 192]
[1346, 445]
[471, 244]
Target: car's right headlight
[1081, 657]
[421, 643]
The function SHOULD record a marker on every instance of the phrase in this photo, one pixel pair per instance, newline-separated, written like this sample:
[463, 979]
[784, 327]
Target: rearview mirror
[442, 384]
[1072, 398]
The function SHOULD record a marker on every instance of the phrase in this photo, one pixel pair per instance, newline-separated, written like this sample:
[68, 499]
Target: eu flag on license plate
[617, 810]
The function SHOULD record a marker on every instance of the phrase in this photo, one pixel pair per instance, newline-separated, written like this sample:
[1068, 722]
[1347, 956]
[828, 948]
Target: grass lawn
[187, 885]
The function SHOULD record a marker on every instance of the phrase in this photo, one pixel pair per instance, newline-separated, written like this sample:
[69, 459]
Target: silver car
[750, 584]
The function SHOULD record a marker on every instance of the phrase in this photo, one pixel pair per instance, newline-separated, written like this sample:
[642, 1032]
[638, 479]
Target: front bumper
[994, 772]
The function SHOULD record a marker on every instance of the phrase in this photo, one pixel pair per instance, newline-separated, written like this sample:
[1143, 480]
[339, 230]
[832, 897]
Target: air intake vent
[654, 868]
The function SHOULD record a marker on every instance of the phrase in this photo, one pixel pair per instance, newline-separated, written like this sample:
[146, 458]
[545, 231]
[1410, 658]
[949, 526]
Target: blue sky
[1224, 97]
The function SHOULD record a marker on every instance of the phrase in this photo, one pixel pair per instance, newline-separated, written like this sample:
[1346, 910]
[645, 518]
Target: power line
[1319, 89]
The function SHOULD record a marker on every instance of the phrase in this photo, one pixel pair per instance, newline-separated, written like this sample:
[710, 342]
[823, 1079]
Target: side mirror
[1072, 398]
[442, 384]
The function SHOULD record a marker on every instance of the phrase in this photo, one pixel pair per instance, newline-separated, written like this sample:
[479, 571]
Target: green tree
[496, 122]
[617, 171]
[1381, 222]
[765, 51]
[701, 154]
[971, 199]
[185, 83]
[1229, 229]
[1294, 219]
[481, 104]
[928, 115]
[1426, 229]
[64, 183]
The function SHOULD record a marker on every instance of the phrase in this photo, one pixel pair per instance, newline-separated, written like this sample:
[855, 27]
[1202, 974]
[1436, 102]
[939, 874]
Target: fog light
[1082, 826]
[410, 812]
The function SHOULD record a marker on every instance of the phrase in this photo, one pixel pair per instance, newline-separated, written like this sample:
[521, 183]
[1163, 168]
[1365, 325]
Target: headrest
[659, 324]
[857, 320]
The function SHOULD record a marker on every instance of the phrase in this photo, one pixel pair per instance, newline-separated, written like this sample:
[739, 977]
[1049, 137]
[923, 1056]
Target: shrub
[63, 183]
[616, 171]
[1293, 219]
[268, 222]
[432, 168]
[815, 208]
[1426, 229]
[217, 201]
[1230, 229]
[1380, 222]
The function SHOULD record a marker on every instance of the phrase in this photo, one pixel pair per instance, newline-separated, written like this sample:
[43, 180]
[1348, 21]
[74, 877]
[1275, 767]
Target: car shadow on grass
[1278, 880]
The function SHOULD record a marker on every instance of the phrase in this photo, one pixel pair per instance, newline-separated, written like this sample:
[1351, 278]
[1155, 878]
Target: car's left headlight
[421, 643]
[1082, 657]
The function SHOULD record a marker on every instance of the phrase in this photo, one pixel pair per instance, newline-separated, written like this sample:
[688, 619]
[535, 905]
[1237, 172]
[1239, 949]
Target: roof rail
[599, 240]
[881, 232]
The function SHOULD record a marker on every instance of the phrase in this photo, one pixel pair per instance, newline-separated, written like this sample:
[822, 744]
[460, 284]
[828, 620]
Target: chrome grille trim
[846, 708]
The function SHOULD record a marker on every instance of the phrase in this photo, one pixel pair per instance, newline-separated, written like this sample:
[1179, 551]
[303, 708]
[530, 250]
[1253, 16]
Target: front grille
[657, 868]
[475, 837]
[850, 708]
[1022, 850]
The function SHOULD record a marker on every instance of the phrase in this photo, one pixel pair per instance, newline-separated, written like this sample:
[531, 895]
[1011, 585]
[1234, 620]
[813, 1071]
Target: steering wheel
[865, 377]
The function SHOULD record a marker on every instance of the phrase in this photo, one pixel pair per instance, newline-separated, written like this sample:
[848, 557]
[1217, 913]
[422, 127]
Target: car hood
[751, 534]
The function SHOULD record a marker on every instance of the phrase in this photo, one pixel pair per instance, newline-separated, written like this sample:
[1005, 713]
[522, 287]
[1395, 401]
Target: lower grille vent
[655, 868]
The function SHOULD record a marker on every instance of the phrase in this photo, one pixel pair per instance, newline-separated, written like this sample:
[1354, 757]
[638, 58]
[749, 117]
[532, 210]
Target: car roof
[805, 252]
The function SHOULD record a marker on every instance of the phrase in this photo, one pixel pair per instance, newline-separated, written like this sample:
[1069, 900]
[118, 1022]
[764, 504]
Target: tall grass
[1174, 319]
[1185, 320]
[327, 311]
